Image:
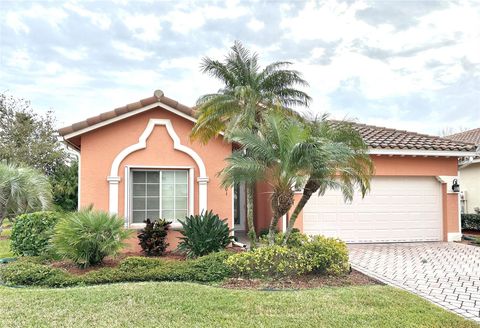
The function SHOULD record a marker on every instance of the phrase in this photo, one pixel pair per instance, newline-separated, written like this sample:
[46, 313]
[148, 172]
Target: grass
[192, 305]
[5, 243]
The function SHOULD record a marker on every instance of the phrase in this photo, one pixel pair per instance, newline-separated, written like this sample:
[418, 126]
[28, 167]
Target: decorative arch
[114, 178]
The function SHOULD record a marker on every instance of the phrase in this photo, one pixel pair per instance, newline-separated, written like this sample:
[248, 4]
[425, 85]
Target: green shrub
[87, 237]
[36, 272]
[327, 255]
[152, 238]
[471, 221]
[296, 239]
[29, 273]
[31, 233]
[269, 262]
[204, 234]
[320, 255]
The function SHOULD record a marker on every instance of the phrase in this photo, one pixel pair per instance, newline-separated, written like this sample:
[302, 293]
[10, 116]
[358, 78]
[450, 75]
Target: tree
[337, 159]
[65, 186]
[28, 138]
[22, 190]
[248, 93]
[276, 155]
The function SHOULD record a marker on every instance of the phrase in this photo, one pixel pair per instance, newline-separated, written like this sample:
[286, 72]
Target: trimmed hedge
[32, 272]
[31, 233]
[319, 255]
[471, 221]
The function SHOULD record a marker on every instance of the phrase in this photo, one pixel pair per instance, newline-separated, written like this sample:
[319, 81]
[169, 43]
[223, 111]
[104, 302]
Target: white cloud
[130, 52]
[13, 20]
[255, 25]
[19, 59]
[144, 27]
[99, 19]
[72, 54]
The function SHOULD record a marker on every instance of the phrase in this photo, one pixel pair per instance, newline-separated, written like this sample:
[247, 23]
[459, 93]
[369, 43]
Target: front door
[239, 207]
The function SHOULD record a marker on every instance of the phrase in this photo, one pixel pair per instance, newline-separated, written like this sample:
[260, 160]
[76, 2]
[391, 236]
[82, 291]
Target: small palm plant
[204, 234]
[22, 190]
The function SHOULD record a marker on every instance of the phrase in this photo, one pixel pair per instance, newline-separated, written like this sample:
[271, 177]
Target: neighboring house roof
[376, 137]
[472, 136]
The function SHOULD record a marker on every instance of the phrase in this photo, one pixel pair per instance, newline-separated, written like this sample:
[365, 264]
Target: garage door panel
[396, 209]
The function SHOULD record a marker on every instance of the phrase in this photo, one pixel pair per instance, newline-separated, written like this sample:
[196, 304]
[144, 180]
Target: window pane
[153, 177]
[167, 215]
[153, 190]
[181, 190]
[139, 203]
[138, 177]
[167, 190]
[138, 190]
[181, 176]
[180, 214]
[153, 203]
[181, 203]
[167, 203]
[153, 215]
[138, 216]
[168, 176]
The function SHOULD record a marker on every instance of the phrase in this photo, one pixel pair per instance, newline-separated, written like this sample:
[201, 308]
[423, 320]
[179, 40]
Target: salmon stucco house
[139, 162]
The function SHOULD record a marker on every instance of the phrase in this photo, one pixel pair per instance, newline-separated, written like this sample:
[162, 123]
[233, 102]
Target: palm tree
[248, 93]
[22, 190]
[276, 155]
[338, 159]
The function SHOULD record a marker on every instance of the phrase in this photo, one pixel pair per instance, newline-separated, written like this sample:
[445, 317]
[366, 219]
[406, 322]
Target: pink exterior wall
[99, 148]
[388, 166]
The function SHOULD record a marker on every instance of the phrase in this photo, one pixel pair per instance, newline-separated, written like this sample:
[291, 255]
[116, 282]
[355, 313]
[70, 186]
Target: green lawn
[5, 248]
[193, 305]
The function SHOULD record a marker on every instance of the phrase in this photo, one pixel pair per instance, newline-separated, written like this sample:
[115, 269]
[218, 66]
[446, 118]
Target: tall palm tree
[276, 155]
[338, 159]
[22, 190]
[248, 92]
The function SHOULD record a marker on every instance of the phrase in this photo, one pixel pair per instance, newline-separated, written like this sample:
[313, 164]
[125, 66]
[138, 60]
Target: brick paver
[447, 274]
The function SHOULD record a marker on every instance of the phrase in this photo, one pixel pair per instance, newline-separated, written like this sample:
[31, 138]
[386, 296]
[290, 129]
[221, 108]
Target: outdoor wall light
[455, 186]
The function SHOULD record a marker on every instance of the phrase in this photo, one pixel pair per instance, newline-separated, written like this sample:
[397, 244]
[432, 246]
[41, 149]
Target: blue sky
[411, 65]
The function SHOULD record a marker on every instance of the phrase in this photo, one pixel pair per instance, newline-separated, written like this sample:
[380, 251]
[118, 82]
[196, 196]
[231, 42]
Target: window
[159, 194]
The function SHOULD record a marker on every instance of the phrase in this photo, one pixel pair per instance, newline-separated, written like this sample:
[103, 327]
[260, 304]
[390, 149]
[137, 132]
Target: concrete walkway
[447, 274]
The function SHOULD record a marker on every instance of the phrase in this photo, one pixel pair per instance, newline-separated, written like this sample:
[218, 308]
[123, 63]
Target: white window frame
[129, 187]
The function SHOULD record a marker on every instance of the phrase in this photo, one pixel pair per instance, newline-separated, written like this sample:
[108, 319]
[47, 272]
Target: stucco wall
[470, 183]
[393, 166]
[100, 147]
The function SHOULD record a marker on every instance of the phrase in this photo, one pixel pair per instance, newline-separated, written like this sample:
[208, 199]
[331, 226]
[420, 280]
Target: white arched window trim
[114, 179]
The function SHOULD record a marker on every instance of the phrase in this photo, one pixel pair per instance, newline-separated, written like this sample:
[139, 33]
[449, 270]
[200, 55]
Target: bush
[153, 237]
[31, 233]
[327, 255]
[204, 234]
[471, 221]
[87, 237]
[296, 239]
[34, 272]
[320, 255]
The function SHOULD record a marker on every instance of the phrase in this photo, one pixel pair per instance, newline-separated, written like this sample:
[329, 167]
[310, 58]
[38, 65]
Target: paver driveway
[447, 274]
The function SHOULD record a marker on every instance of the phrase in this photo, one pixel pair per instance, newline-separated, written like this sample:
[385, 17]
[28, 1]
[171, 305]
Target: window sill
[137, 226]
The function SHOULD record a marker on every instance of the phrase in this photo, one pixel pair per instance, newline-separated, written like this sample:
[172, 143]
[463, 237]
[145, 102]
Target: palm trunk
[310, 188]
[281, 204]
[251, 227]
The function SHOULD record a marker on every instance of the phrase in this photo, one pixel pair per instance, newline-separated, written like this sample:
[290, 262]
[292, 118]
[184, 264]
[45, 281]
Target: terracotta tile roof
[472, 136]
[374, 136]
[158, 96]
[387, 138]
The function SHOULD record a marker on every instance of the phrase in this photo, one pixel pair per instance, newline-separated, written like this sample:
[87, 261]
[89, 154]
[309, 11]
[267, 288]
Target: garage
[397, 209]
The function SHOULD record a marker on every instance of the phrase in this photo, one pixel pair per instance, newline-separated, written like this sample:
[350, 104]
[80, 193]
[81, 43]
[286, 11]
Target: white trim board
[417, 152]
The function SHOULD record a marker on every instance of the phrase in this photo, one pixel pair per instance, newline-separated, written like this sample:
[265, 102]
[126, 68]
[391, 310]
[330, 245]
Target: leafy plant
[152, 238]
[471, 221]
[22, 190]
[88, 236]
[296, 239]
[31, 233]
[204, 234]
[64, 182]
[327, 255]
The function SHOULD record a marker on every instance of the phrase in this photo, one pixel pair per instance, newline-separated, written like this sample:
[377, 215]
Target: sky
[412, 65]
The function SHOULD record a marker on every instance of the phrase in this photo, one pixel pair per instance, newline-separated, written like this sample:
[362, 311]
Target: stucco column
[113, 182]
[202, 194]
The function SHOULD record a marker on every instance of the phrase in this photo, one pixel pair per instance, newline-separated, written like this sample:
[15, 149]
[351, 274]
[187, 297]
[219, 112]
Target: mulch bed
[470, 233]
[355, 278]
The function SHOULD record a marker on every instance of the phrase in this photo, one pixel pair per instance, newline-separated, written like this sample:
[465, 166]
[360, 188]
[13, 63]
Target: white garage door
[396, 209]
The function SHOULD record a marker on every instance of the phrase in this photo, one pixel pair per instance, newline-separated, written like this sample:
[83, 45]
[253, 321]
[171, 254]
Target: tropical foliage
[87, 237]
[22, 190]
[64, 182]
[248, 92]
[153, 237]
[204, 234]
